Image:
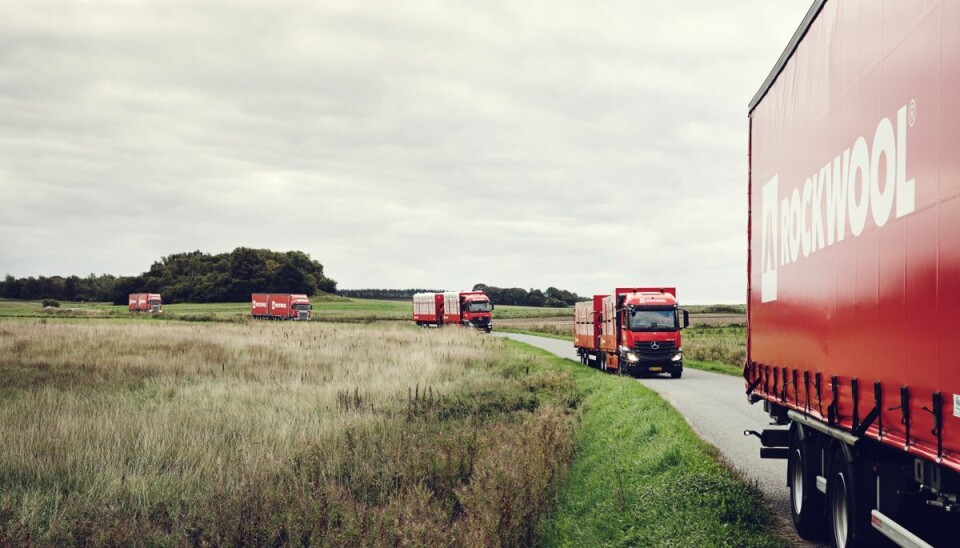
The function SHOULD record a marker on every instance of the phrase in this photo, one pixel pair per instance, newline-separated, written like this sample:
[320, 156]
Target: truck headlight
[633, 358]
[678, 356]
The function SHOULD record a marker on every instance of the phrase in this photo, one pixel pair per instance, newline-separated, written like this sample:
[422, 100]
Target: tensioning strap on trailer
[937, 413]
[874, 413]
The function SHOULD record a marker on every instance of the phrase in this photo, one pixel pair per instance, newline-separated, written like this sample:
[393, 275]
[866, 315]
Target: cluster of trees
[551, 297]
[69, 288]
[187, 277]
[385, 294]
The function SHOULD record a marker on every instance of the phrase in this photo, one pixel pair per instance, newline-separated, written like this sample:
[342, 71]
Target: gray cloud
[417, 144]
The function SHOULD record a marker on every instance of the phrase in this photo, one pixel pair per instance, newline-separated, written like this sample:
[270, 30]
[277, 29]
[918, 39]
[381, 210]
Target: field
[123, 429]
[326, 308]
[165, 432]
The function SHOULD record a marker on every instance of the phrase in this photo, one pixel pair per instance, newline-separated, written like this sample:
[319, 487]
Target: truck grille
[304, 316]
[664, 350]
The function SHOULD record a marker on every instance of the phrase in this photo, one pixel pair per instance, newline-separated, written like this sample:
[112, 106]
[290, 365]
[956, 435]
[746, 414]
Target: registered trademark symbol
[913, 112]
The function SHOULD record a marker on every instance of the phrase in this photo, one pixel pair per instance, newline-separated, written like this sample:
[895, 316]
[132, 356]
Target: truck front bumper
[652, 366]
[482, 325]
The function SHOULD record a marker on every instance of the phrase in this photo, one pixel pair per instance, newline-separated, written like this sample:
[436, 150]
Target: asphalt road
[716, 407]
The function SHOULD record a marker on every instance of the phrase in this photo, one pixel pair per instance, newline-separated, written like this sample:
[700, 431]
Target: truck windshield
[652, 320]
[154, 301]
[302, 307]
[482, 306]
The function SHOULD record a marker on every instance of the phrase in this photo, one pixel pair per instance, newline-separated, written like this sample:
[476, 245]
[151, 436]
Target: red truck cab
[468, 308]
[632, 330]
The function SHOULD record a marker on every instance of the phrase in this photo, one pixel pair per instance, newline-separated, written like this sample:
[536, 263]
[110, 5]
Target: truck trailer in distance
[428, 309]
[853, 339]
[145, 302]
[633, 330]
[280, 306]
[467, 308]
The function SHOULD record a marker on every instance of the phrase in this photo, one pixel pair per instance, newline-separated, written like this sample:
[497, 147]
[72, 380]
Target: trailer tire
[849, 502]
[806, 503]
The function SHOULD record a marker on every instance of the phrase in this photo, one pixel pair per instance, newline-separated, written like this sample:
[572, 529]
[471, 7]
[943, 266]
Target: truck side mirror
[686, 318]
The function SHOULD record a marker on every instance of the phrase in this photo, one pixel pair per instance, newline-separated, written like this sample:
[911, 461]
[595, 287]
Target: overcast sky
[583, 145]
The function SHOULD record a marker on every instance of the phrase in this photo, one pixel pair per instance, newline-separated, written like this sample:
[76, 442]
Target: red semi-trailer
[145, 302]
[428, 309]
[633, 330]
[280, 306]
[854, 270]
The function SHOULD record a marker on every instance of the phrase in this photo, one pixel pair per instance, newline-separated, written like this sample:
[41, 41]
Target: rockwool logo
[815, 215]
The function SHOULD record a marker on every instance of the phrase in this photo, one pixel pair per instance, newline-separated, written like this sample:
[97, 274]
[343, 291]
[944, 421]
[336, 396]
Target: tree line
[384, 294]
[551, 297]
[187, 277]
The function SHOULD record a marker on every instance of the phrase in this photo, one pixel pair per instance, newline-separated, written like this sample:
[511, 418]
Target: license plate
[655, 369]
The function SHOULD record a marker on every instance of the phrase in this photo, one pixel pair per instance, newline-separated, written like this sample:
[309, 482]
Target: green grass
[326, 308]
[722, 348]
[273, 433]
[536, 331]
[641, 477]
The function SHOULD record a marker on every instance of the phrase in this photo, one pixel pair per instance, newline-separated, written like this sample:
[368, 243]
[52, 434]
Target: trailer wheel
[806, 503]
[849, 500]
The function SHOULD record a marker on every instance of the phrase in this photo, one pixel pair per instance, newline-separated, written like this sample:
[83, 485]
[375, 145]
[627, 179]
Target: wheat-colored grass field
[273, 432]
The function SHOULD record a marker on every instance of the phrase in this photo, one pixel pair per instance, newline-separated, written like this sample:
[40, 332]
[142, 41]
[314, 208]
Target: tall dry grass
[274, 433]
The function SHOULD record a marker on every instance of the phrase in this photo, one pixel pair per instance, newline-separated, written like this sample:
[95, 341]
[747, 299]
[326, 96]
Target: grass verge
[641, 477]
[536, 333]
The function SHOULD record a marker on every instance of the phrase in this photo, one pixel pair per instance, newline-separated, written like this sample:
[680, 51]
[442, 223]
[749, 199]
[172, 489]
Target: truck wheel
[603, 362]
[849, 503]
[806, 503]
[676, 374]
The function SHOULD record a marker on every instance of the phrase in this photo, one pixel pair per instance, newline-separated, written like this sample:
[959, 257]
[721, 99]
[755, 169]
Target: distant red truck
[468, 308]
[280, 306]
[632, 330]
[145, 302]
